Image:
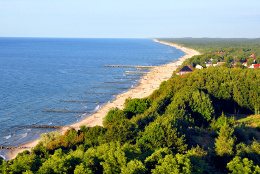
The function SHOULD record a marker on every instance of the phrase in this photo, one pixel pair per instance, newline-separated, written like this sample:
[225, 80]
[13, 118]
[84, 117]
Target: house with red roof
[255, 66]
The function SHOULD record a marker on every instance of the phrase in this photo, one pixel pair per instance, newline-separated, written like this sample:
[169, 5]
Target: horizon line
[50, 37]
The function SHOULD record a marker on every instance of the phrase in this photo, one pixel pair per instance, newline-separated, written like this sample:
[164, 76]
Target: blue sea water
[55, 81]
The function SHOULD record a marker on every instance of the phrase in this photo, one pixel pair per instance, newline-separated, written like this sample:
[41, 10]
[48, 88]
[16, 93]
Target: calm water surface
[56, 81]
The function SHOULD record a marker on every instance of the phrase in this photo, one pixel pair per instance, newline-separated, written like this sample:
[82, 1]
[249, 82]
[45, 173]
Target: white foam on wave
[97, 108]
[7, 137]
[23, 135]
[2, 156]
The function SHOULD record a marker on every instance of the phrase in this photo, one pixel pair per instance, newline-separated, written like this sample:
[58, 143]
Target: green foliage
[225, 141]
[190, 101]
[240, 49]
[59, 163]
[41, 151]
[250, 61]
[238, 165]
[81, 169]
[22, 163]
[252, 121]
[154, 158]
[173, 164]
[107, 158]
[222, 120]
[251, 151]
[121, 130]
[46, 138]
[70, 139]
[113, 116]
[93, 136]
[134, 167]
[136, 106]
[197, 156]
[162, 133]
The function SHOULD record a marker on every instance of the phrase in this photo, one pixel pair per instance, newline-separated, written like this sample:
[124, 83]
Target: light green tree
[81, 169]
[134, 167]
[225, 141]
[245, 166]
[173, 164]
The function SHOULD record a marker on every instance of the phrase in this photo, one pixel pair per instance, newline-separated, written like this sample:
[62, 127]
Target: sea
[58, 81]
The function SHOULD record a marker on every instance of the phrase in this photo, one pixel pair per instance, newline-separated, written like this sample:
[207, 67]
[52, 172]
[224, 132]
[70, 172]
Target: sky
[130, 18]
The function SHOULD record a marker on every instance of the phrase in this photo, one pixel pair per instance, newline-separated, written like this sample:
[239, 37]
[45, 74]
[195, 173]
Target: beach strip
[147, 84]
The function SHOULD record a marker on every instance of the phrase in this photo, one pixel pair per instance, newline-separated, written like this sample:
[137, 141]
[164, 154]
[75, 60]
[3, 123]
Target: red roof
[256, 65]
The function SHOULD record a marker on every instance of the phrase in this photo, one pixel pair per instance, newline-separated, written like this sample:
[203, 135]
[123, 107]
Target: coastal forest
[206, 121]
[234, 52]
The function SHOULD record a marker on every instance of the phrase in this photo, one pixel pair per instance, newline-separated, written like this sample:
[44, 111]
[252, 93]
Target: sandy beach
[147, 84]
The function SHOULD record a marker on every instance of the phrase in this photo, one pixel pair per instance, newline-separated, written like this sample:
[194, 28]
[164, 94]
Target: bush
[113, 116]
[222, 120]
[152, 160]
[46, 138]
[93, 136]
[173, 164]
[134, 167]
[162, 133]
[238, 165]
[136, 106]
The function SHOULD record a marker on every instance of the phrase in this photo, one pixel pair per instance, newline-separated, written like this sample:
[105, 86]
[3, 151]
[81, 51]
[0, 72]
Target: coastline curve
[147, 84]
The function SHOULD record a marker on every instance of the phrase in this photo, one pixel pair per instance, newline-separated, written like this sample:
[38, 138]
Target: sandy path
[147, 84]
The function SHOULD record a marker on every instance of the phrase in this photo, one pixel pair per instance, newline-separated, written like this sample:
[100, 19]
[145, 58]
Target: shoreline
[147, 84]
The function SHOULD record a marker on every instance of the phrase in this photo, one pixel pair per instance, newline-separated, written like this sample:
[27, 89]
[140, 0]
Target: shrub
[136, 106]
[238, 165]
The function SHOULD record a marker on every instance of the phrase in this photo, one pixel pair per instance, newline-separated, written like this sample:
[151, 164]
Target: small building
[244, 64]
[254, 66]
[199, 67]
[185, 70]
[209, 64]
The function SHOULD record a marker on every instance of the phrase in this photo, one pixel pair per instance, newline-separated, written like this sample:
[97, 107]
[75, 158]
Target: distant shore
[147, 84]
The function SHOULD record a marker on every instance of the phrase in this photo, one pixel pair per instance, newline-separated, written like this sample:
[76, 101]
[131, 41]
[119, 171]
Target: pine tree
[225, 141]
